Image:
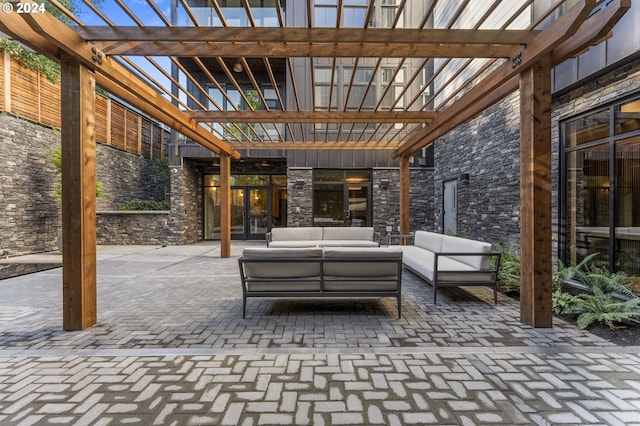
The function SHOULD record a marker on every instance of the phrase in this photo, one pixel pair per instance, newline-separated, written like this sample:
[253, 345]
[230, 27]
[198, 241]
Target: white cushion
[457, 244]
[418, 259]
[293, 234]
[348, 243]
[338, 233]
[428, 240]
[296, 244]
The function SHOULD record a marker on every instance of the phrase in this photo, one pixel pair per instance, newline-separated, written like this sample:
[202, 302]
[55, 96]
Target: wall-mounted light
[299, 184]
[237, 67]
[384, 184]
[422, 161]
[464, 178]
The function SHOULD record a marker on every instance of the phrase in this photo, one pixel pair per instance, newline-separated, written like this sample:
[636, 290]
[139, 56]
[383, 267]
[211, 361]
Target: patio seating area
[170, 346]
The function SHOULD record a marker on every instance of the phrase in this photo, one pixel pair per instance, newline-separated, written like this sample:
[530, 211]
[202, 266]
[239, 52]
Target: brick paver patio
[171, 347]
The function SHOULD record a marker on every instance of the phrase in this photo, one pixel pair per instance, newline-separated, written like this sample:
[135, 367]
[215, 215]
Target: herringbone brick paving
[171, 347]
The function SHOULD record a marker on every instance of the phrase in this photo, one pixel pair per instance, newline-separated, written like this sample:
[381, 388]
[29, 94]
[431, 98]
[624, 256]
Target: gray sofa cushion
[344, 233]
[367, 268]
[296, 234]
[281, 269]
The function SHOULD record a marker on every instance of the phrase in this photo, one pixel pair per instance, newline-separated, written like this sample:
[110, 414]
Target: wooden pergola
[497, 61]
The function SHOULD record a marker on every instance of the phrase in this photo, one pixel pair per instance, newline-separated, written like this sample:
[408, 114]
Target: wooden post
[404, 196]
[225, 206]
[535, 195]
[78, 140]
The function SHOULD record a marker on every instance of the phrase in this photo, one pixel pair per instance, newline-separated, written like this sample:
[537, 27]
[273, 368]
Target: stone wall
[486, 148]
[187, 204]
[133, 227]
[299, 196]
[29, 209]
[128, 177]
[386, 201]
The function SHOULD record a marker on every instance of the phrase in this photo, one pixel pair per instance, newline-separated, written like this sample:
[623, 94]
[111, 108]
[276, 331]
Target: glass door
[238, 214]
[259, 214]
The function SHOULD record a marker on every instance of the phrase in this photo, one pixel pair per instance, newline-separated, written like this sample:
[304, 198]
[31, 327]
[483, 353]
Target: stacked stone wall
[133, 227]
[30, 213]
[127, 177]
[186, 217]
[299, 196]
[486, 148]
[29, 210]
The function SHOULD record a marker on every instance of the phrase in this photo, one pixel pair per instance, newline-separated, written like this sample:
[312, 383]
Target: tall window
[325, 13]
[361, 93]
[325, 89]
[389, 12]
[602, 187]
[354, 13]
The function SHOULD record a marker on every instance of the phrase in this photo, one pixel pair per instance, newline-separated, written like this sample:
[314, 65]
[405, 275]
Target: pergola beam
[304, 50]
[277, 116]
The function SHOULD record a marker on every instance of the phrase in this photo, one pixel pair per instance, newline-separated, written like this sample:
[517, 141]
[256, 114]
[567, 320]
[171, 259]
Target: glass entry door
[249, 213]
[258, 203]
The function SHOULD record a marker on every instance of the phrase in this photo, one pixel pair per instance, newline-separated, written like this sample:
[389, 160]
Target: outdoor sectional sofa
[316, 236]
[318, 273]
[445, 261]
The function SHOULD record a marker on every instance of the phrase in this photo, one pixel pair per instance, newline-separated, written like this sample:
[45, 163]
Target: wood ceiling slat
[274, 84]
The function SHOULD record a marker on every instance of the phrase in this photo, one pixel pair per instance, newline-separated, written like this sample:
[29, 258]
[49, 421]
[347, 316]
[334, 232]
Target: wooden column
[225, 206]
[78, 140]
[404, 195]
[535, 194]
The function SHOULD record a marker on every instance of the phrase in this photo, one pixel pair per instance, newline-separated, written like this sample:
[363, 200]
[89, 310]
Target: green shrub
[145, 205]
[509, 273]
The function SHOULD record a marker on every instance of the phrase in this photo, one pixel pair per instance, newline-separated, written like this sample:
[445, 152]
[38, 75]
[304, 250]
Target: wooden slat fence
[28, 94]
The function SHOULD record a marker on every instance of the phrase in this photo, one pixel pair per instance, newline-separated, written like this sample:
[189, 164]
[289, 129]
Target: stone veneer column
[299, 196]
[186, 204]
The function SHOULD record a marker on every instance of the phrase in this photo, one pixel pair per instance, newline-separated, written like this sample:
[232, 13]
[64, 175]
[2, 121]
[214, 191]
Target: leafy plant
[509, 273]
[33, 61]
[602, 307]
[564, 303]
[56, 159]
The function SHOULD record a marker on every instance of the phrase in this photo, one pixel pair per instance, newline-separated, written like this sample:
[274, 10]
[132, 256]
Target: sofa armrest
[269, 238]
[494, 262]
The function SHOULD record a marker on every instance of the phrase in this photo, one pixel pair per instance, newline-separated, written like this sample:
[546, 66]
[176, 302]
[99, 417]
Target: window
[324, 90]
[325, 13]
[601, 201]
[393, 98]
[354, 13]
[389, 11]
[360, 93]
